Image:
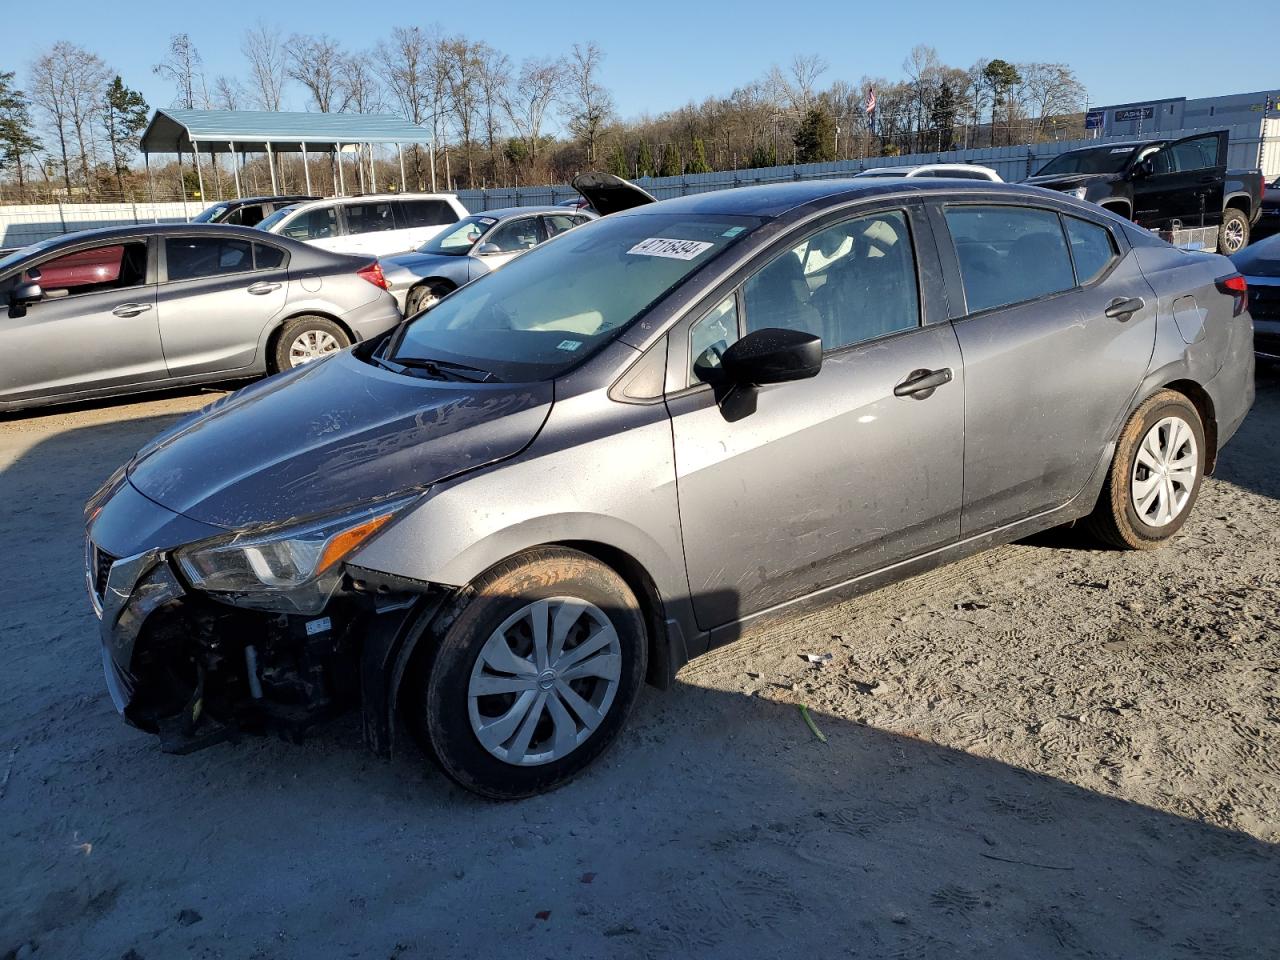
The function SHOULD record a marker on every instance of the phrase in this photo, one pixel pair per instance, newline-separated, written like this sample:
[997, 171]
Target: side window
[318, 224]
[710, 337]
[426, 213]
[111, 267]
[852, 282]
[516, 235]
[267, 257]
[1009, 254]
[1092, 248]
[557, 223]
[369, 217]
[187, 258]
[251, 215]
[1196, 154]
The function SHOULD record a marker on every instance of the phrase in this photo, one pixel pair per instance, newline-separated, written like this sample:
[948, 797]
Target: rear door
[1048, 374]
[320, 226]
[95, 328]
[370, 227]
[835, 476]
[1186, 183]
[216, 296]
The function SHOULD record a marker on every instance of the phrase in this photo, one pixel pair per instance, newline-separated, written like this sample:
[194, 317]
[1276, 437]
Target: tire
[1233, 234]
[486, 742]
[424, 296]
[1117, 520]
[307, 338]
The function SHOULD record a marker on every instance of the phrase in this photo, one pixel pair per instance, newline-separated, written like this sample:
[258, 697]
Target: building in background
[1149, 118]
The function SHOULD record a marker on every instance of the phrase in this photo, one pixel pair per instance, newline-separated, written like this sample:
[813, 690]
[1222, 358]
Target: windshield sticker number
[671, 249]
[569, 345]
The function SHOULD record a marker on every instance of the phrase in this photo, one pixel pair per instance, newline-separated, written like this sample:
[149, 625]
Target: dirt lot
[1045, 751]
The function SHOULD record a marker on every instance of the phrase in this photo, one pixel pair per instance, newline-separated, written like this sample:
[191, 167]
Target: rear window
[1009, 254]
[1260, 260]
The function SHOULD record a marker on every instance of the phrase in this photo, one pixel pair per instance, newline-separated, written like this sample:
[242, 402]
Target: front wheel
[1233, 235]
[1155, 475]
[423, 297]
[534, 676]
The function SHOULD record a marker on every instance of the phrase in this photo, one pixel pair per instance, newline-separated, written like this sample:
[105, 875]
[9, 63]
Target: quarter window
[852, 282]
[111, 267]
[1009, 254]
[187, 258]
[267, 257]
[1092, 249]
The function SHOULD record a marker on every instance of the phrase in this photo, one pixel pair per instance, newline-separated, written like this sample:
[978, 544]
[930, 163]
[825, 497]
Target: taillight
[1238, 287]
[373, 273]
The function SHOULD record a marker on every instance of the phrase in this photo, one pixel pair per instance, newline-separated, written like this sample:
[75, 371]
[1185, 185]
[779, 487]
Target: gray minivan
[492, 525]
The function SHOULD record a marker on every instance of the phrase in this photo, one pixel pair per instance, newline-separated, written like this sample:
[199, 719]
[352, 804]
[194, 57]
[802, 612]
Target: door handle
[131, 309]
[1122, 308]
[261, 287]
[922, 383]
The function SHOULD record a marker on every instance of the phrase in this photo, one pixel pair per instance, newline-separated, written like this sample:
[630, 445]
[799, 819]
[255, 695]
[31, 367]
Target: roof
[500, 213]
[227, 131]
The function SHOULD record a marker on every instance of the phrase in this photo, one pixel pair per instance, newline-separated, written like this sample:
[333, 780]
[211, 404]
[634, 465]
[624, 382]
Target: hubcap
[1235, 235]
[311, 345]
[1164, 472]
[424, 299]
[544, 681]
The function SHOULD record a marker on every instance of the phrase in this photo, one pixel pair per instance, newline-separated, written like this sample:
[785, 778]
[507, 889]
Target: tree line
[69, 127]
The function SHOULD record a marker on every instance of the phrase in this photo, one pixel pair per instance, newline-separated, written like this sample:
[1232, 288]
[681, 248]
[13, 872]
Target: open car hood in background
[610, 194]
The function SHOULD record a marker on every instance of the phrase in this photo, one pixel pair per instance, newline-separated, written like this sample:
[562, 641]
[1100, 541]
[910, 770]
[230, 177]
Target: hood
[329, 435]
[609, 194]
[1069, 181]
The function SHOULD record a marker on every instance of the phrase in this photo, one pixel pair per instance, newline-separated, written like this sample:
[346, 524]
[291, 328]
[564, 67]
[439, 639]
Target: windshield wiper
[444, 369]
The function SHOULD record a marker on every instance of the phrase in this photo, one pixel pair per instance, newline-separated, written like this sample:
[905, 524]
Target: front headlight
[1079, 192]
[284, 568]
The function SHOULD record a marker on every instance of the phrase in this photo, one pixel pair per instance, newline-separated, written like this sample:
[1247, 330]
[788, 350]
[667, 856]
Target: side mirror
[26, 293]
[773, 355]
[1144, 168]
[486, 249]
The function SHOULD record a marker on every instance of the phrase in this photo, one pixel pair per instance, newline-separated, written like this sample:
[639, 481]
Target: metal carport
[273, 132]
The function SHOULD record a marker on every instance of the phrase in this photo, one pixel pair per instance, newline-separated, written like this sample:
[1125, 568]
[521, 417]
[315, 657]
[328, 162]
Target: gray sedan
[475, 246]
[129, 309]
[575, 474]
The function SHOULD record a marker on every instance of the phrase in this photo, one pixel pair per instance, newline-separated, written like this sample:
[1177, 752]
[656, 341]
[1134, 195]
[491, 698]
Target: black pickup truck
[1155, 182]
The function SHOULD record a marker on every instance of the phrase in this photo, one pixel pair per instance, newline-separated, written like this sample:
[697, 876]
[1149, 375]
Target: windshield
[460, 238]
[552, 307]
[1093, 160]
[210, 214]
[266, 223]
[1260, 260]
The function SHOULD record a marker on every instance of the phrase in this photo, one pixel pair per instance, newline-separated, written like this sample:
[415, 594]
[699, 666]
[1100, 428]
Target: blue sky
[663, 53]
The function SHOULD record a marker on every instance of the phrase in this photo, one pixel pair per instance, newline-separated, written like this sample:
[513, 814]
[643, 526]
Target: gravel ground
[1045, 751]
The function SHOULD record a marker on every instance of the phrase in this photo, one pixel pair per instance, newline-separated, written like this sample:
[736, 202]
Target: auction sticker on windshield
[672, 249]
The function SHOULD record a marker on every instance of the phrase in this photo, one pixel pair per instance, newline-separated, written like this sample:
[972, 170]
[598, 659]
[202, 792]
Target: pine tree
[816, 137]
[763, 156]
[699, 162]
[617, 164]
[644, 160]
[671, 166]
[125, 115]
[17, 133]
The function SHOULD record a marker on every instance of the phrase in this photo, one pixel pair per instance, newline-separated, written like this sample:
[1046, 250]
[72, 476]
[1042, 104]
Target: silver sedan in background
[473, 247]
[129, 309]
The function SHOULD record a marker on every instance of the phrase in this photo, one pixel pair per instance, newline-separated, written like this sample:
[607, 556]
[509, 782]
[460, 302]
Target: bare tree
[69, 84]
[181, 67]
[228, 94]
[461, 73]
[590, 105]
[537, 87]
[922, 67]
[267, 68]
[1048, 92]
[495, 77]
[319, 64]
[360, 86]
[405, 63]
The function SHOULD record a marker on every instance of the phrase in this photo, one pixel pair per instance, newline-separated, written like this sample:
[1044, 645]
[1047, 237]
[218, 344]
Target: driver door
[835, 476]
[511, 239]
[94, 329]
[1186, 183]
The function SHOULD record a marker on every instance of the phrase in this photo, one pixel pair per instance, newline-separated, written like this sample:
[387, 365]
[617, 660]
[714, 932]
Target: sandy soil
[1045, 751]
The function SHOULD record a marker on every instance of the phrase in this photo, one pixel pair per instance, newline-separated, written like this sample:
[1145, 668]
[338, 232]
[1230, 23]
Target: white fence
[1251, 145]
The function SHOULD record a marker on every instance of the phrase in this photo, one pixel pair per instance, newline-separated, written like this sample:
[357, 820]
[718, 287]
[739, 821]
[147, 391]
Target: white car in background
[376, 224]
[963, 171]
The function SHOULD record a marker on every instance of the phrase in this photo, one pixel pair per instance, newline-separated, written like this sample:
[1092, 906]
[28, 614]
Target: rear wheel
[1155, 475]
[305, 339]
[534, 676]
[423, 297]
[1233, 235]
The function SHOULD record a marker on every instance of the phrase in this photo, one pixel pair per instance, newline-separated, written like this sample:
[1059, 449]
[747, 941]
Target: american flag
[871, 100]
